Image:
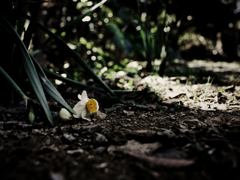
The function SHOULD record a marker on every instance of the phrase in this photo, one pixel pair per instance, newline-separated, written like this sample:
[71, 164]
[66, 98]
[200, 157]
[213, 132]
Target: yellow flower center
[92, 105]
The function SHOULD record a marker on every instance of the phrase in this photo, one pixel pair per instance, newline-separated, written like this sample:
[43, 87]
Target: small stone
[99, 138]
[75, 134]
[101, 166]
[76, 127]
[36, 131]
[100, 150]
[54, 130]
[69, 137]
[75, 152]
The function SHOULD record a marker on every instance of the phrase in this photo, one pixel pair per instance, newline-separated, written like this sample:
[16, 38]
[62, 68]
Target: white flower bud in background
[65, 115]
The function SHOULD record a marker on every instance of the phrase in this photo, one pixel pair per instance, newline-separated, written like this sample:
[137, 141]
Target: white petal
[84, 98]
[97, 104]
[79, 108]
[86, 115]
[65, 115]
[80, 97]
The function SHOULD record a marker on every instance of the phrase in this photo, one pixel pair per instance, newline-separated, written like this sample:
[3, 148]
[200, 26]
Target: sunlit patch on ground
[215, 66]
[200, 96]
[205, 95]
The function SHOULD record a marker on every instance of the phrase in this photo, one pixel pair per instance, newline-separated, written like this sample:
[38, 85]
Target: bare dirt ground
[191, 132]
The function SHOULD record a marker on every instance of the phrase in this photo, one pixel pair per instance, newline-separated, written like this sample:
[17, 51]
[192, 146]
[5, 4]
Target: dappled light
[120, 89]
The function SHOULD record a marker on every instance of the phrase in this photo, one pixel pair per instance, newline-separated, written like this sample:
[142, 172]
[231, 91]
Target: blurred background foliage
[140, 30]
[125, 37]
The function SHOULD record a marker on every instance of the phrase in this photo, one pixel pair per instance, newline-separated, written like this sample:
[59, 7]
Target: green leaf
[14, 85]
[117, 35]
[67, 80]
[49, 87]
[76, 56]
[36, 52]
[143, 36]
[84, 86]
[54, 60]
[29, 67]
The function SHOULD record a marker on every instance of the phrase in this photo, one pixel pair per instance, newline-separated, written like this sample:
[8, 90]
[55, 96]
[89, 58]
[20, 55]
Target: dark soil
[144, 139]
[158, 142]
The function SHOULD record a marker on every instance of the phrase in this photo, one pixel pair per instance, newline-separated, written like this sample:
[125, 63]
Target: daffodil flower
[85, 107]
[65, 115]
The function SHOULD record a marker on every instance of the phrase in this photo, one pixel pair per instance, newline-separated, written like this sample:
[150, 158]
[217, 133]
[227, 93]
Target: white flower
[65, 115]
[85, 107]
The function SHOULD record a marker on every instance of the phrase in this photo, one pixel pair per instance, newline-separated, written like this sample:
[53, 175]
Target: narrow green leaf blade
[13, 84]
[117, 35]
[29, 67]
[143, 36]
[70, 81]
[49, 87]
